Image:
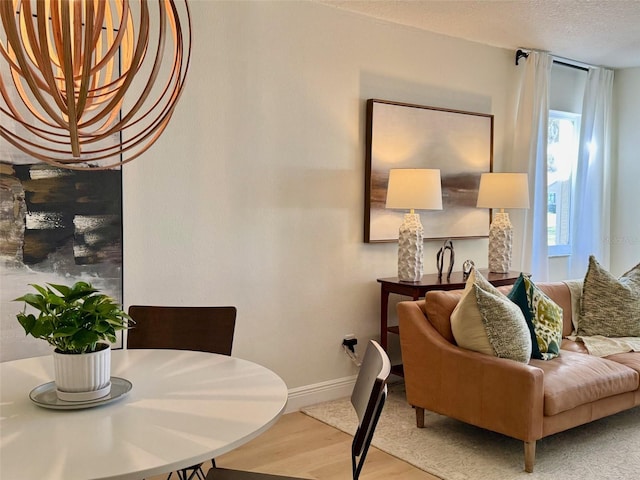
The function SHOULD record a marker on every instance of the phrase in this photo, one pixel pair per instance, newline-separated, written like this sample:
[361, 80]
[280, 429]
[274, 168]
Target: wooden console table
[418, 289]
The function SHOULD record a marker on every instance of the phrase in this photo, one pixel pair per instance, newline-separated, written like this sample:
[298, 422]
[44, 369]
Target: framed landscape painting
[458, 143]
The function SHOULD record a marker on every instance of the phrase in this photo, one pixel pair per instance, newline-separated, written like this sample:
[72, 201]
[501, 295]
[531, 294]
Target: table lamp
[502, 190]
[412, 189]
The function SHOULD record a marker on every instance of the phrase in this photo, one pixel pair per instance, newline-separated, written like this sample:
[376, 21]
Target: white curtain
[530, 156]
[591, 209]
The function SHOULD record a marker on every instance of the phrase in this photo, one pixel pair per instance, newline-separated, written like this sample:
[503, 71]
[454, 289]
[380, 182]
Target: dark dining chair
[202, 329]
[368, 397]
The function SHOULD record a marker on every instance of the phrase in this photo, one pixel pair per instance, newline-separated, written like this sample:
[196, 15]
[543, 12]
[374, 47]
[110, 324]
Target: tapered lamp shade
[413, 189]
[502, 190]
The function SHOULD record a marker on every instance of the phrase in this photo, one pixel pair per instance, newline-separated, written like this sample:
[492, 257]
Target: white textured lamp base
[500, 239]
[410, 248]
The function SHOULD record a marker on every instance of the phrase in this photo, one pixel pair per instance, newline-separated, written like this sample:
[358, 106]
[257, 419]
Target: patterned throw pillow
[543, 316]
[610, 306]
[486, 321]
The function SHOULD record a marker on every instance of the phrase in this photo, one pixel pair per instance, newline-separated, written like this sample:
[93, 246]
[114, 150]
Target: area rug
[605, 449]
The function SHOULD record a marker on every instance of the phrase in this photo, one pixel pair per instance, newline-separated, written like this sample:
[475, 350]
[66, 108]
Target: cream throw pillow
[486, 321]
[466, 321]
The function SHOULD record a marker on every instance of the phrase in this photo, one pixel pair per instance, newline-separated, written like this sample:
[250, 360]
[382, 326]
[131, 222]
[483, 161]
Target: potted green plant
[80, 323]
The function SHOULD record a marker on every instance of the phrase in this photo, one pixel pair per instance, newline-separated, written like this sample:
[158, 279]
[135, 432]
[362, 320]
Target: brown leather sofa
[523, 401]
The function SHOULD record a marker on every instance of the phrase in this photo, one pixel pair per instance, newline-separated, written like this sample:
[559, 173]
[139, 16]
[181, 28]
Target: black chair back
[368, 397]
[203, 329]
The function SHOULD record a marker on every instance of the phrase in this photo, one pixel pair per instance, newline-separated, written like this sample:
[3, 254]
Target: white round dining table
[183, 408]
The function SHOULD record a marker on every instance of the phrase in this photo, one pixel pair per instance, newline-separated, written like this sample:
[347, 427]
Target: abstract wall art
[56, 226]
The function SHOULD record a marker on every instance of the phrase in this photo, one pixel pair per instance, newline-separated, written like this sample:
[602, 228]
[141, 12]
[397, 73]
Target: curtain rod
[571, 63]
[520, 53]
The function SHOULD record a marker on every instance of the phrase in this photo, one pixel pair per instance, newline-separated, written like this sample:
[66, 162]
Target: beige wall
[254, 195]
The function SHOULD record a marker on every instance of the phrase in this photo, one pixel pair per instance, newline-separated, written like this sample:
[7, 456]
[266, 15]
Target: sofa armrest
[494, 393]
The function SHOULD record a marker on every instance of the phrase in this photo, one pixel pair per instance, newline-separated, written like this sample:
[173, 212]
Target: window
[562, 157]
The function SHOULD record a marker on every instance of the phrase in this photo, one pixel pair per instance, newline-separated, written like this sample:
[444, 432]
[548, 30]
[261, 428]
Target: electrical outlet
[350, 341]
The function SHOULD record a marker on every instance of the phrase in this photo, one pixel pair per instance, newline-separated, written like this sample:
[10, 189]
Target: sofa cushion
[573, 346]
[610, 306]
[439, 305]
[561, 294]
[486, 321]
[543, 316]
[574, 379]
[629, 359]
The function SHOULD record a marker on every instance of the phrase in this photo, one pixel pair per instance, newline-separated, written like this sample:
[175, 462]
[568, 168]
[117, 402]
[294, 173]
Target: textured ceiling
[596, 32]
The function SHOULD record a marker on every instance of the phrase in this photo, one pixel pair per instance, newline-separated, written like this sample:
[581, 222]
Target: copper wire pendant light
[91, 84]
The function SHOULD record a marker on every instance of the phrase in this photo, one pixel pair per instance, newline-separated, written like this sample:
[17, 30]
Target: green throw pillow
[610, 306]
[543, 317]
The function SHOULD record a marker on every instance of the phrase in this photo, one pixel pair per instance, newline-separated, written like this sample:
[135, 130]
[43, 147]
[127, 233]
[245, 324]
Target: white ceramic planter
[82, 377]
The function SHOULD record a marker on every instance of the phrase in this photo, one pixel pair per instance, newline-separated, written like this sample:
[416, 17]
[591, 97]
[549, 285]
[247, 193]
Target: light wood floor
[299, 445]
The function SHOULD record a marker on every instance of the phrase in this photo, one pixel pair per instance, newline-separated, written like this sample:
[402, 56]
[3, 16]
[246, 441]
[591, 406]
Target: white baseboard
[301, 397]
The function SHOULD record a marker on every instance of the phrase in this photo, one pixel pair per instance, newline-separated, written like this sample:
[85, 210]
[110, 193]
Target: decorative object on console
[73, 62]
[467, 266]
[413, 189]
[80, 323]
[502, 190]
[448, 245]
